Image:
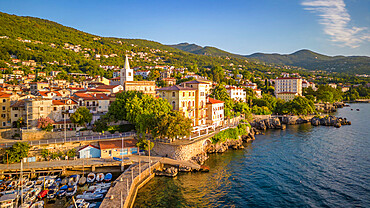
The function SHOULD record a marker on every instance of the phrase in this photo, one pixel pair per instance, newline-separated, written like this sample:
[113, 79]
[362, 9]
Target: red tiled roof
[175, 88]
[107, 86]
[117, 144]
[89, 145]
[63, 102]
[288, 78]
[214, 101]
[5, 95]
[45, 93]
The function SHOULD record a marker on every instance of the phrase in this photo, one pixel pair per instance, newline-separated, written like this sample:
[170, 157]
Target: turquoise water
[302, 166]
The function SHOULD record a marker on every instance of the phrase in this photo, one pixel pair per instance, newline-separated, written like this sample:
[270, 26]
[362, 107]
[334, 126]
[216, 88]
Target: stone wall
[8, 133]
[31, 135]
[180, 152]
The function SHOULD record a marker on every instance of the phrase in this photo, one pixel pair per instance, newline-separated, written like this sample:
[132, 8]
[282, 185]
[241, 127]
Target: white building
[143, 73]
[287, 88]
[215, 112]
[236, 93]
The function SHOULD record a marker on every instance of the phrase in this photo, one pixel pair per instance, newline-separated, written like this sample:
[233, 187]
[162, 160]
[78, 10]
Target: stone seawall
[180, 151]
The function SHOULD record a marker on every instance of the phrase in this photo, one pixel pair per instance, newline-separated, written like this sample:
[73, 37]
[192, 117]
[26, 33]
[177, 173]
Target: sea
[302, 166]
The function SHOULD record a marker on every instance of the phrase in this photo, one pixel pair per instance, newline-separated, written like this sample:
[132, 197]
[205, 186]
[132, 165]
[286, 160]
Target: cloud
[335, 18]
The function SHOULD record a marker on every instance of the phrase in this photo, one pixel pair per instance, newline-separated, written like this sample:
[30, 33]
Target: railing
[72, 139]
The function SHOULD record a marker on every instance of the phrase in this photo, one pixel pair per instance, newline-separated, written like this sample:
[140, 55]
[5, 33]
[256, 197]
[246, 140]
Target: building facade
[287, 88]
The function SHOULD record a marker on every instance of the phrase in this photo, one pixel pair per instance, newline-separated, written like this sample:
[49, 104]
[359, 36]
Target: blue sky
[332, 27]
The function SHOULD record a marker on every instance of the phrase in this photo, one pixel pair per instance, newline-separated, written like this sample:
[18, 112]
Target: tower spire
[127, 65]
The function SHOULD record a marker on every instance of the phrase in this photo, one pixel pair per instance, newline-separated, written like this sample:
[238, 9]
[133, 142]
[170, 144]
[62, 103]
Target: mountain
[315, 61]
[207, 50]
[57, 47]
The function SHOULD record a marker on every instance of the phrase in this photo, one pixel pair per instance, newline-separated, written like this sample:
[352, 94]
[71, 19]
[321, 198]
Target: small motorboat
[80, 204]
[9, 199]
[26, 204]
[42, 194]
[73, 180]
[108, 177]
[29, 185]
[38, 204]
[64, 181]
[90, 196]
[100, 177]
[57, 182]
[95, 205]
[82, 181]
[32, 194]
[52, 192]
[49, 181]
[90, 177]
[62, 191]
[71, 190]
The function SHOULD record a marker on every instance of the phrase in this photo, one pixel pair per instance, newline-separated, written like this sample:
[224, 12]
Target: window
[4, 108]
[183, 94]
[129, 74]
[202, 94]
[4, 124]
[3, 115]
[193, 93]
[173, 94]
[41, 108]
[189, 93]
[16, 115]
[193, 103]
[163, 94]
[4, 101]
[55, 108]
[173, 104]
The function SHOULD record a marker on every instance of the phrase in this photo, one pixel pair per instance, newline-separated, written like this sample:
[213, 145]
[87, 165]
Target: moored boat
[82, 181]
[64, 181]
[71, 190]
[62, 191]
[90, 196]
[73, 180]
[108, 177]
[52, 192]
[99, 177]
[91, 177]
[38, 204]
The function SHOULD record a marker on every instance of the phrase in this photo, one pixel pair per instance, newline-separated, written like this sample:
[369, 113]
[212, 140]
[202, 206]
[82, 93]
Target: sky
[331, 27]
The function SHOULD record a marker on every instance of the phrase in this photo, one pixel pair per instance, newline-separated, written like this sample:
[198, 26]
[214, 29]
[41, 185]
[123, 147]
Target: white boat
[90, 196]
[32, 194]
[49, 181]
[38, 204]
[26, 204]
[103, 186]
[71, 190]
[52, 192]
[80, 204]
[91, 177]
[73, 180]
[29, 185]
[82, 181]
[8, 200]
[100, 177]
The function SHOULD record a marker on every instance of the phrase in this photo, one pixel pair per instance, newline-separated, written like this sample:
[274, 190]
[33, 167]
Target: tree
[17, 152]
[81, 116]
[172, 125]
[45, 124]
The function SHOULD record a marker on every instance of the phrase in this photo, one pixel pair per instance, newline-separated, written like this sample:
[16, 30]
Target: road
[70, 139]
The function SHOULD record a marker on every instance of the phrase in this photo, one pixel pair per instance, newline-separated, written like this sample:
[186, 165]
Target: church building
[128, 83]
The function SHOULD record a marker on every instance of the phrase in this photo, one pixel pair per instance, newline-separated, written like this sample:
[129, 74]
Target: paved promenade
[96, 162]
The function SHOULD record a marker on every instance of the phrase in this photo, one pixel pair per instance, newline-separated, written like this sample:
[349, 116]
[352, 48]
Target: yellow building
[182, 99]
[5, 119]
[202, 91]
[287, 96]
